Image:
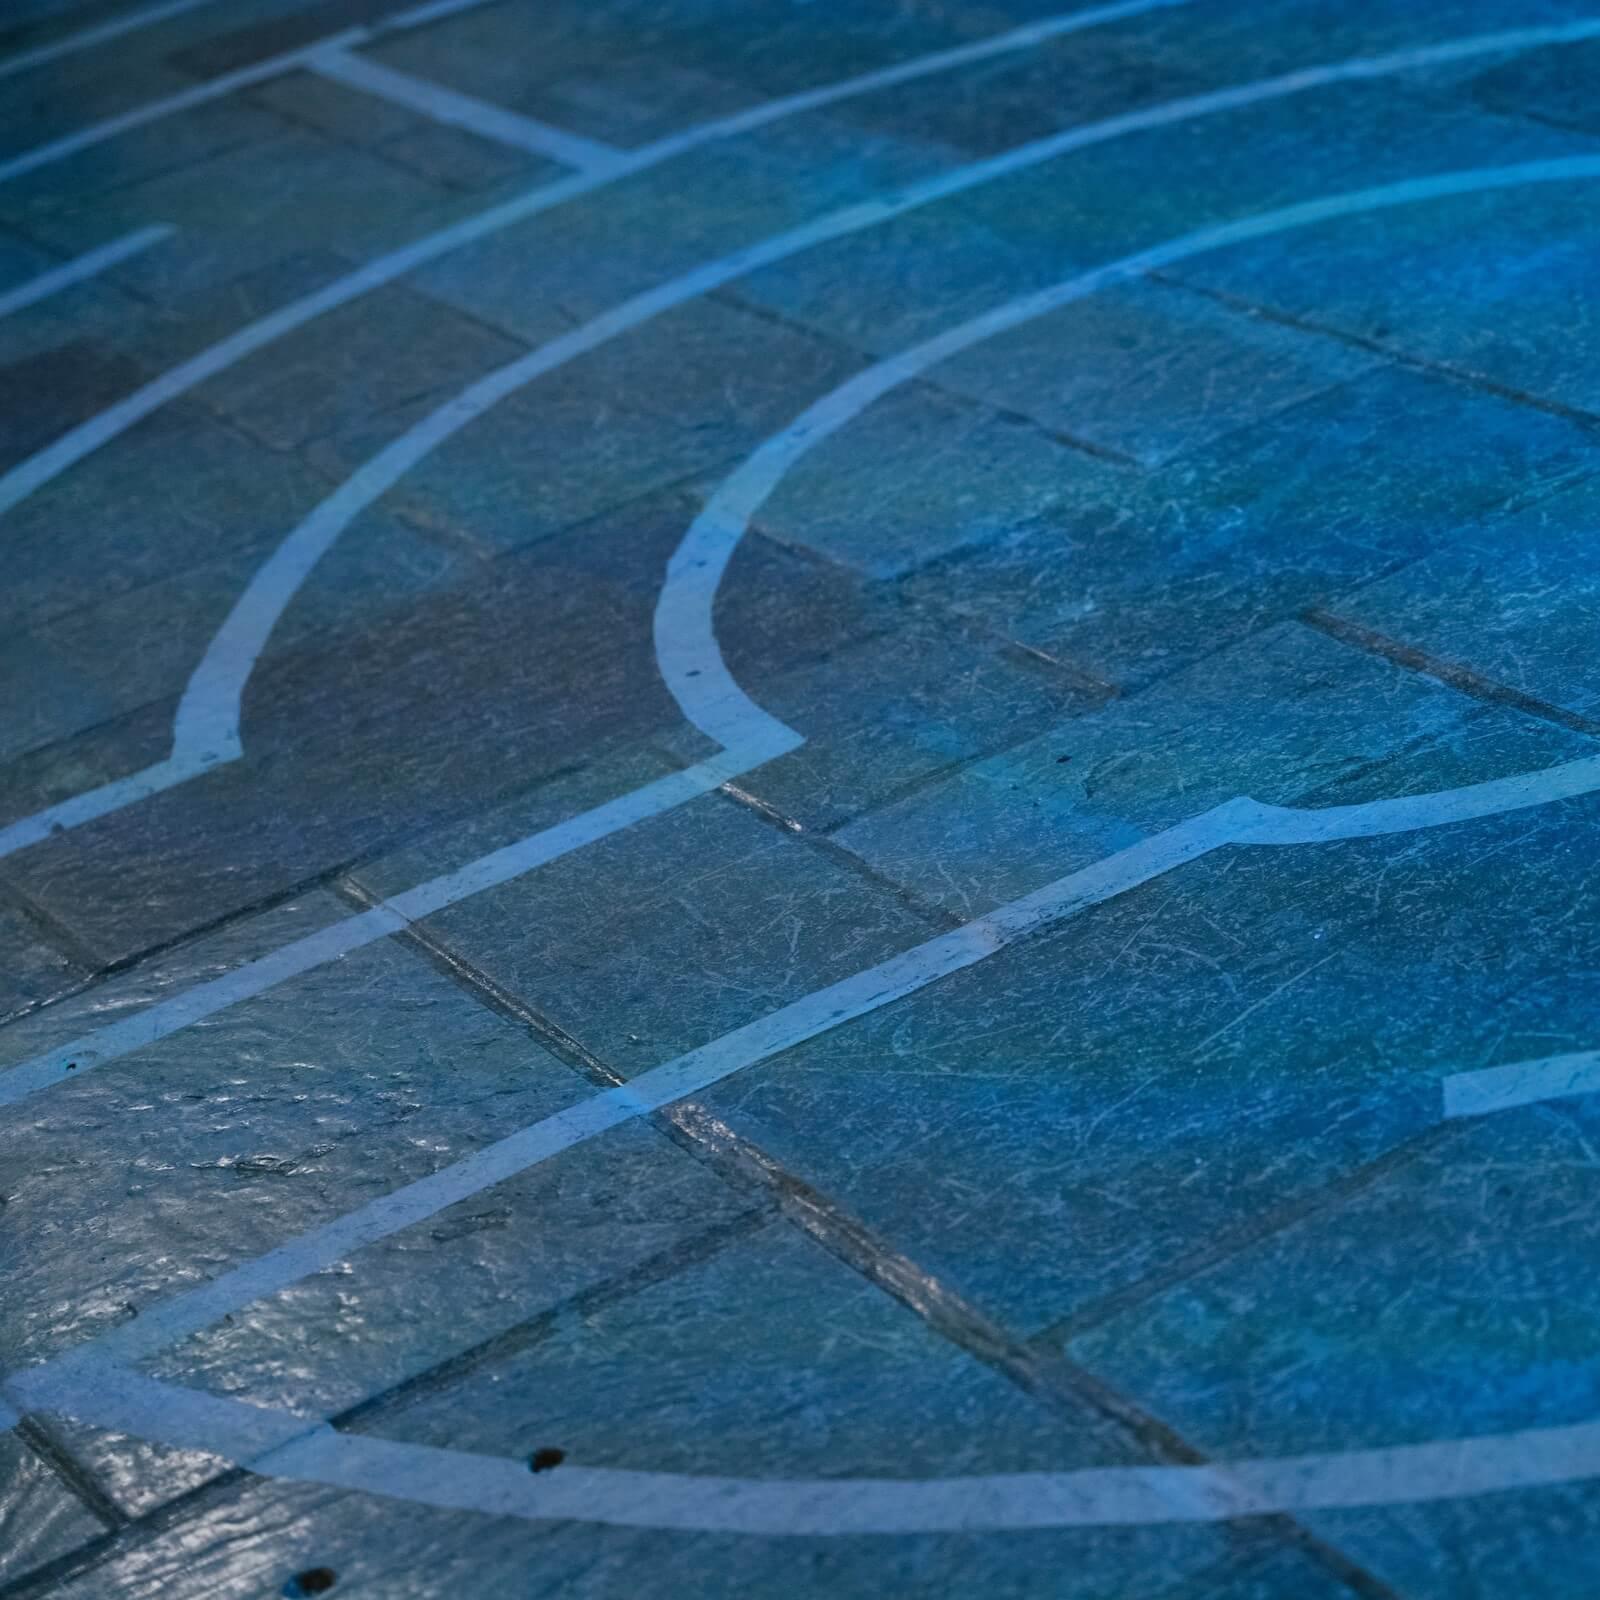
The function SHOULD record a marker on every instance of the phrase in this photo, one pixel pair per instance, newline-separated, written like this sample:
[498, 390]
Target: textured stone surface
[1308, 520]
[39, 1517]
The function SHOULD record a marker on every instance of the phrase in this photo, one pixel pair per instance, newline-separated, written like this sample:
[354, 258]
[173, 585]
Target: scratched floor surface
[800, 799]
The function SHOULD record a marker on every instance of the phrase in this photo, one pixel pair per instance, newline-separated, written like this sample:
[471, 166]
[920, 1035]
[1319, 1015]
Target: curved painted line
[91, 1382]
[693, 668]
[208, 716]
[96, 1382]
[44, 155]
[81, 268]
[206, 728]
[33, 472]
[88, 38]
[286, 1444]
[217, 88]
[98, 133]
[686, 643]
[634, 160]
[211, 706]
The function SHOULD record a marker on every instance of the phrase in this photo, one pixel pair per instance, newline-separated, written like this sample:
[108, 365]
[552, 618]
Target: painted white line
[1027, 37]
[292, 1445]
[89, 265]
[1241, 821]
[295, 1446]
[686, 648]
[108, 798]
[435, 11]
[84, 1383]
[207, 730]
[46, 465]
[816, 1013]
[227, 83]
[832, 1507]
[83, 1055]
[691, 662]
[217, 88]
[90, 1381]
[1521, 1083]
[96, 1383]
[305, 57]
[457, 110]
[90, 37]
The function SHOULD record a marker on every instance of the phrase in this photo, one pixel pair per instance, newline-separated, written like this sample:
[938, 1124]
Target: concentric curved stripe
[206, 729]
[32, 473]
[89, 38]
[94, 1383]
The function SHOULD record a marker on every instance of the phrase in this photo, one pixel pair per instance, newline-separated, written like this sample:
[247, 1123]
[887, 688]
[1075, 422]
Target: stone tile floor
[799, 798]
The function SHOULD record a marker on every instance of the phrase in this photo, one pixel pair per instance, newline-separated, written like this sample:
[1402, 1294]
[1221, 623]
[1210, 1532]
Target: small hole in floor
[543, 1460]
[314, 1580]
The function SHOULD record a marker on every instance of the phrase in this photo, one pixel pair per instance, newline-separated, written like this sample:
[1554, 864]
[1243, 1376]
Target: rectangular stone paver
[1457, 1315]
[1493, 285]
[750, 916]
[1169, 1068]
[379, 1547]
[1133, 580]
[1513, 602]
[186, 490]
[40, 1518]
[252, 1128]
[36, 967]
[1292, 717]
[1149, 372]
